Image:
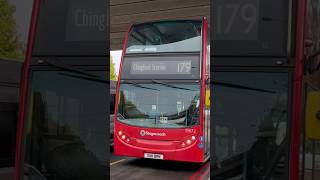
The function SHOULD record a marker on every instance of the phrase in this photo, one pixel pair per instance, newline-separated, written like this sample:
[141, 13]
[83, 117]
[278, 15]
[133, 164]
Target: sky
[116, 56]
[22, 16]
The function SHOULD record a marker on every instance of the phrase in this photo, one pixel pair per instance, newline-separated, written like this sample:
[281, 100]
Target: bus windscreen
[66, 127]
[250, 122]
[155, 105]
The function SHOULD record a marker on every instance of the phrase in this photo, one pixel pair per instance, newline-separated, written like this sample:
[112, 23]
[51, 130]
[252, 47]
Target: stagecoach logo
[143, 133]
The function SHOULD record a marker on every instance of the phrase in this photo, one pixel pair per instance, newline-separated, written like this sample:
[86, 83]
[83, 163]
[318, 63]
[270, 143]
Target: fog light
[123, 137]
[188, 141]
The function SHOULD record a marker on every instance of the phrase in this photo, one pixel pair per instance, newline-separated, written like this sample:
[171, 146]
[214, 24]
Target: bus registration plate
[153, 156]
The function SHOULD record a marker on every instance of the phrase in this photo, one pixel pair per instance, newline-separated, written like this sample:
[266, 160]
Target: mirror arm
[207, 79]
[309, 62]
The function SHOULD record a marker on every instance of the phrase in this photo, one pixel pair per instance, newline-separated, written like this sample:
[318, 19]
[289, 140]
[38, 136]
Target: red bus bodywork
[170, 144]
[23, 94]
[297, 92]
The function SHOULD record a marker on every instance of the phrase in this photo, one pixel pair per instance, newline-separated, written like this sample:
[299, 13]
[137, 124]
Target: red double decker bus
[162, 90]
[266, 104]
[63, 112]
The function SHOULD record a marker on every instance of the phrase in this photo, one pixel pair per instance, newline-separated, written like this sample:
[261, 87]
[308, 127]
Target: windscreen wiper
[169, 85]
[96, 79]
[138, 85]
[82, 74]
[236, 86]
[122, 116]
[63, 66]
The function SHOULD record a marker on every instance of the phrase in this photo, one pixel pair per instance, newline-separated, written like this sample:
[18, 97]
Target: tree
[10, 47]
[113, 75]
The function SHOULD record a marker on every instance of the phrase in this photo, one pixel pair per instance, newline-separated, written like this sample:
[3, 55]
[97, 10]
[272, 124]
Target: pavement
[146, 169]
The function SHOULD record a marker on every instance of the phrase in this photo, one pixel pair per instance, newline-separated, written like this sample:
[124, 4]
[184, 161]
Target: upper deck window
[168, 36]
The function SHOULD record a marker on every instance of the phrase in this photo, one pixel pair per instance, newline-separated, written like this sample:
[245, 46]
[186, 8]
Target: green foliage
[113, 75]
[10, 47]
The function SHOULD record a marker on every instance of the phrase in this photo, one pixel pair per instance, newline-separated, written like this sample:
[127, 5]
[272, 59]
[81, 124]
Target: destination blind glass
[72, 27]
[250, 27]
[163, 67]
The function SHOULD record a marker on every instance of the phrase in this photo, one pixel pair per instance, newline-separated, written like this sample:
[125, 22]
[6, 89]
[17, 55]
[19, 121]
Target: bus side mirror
[313, 115]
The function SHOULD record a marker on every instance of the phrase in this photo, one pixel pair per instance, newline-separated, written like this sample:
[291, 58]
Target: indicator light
[188, 141]
[183, 144]
[123, 137]
[193, 138]
[120, 133]
[127, 139]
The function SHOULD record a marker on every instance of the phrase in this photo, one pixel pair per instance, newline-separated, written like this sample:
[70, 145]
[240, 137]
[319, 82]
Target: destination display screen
[161, 67]
[86, 21]
[237, 20]
[72, 27]
[250, 27]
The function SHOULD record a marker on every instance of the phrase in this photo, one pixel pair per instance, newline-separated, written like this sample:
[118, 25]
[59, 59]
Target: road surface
[146, 169]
